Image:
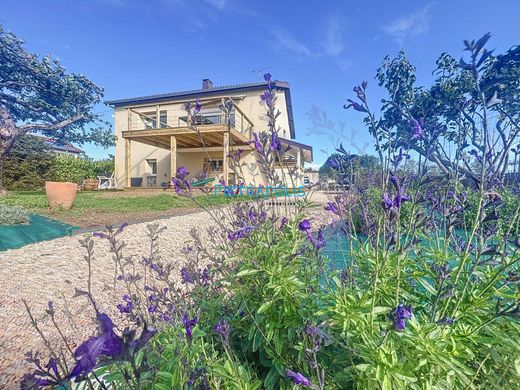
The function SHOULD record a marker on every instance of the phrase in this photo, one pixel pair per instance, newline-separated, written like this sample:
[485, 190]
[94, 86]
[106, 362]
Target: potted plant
[68, 172]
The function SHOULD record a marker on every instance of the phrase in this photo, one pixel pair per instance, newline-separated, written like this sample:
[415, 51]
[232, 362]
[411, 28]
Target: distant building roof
[281, 85]
[61, 147]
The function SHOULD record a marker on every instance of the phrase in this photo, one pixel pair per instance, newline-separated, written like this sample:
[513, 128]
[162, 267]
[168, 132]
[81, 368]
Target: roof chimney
[207, 84]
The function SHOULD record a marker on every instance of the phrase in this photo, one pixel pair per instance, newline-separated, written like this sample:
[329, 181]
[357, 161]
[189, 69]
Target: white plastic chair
[107, 183]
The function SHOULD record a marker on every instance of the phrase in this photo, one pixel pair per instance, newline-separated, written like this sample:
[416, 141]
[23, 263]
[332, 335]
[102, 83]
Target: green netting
[38, 229]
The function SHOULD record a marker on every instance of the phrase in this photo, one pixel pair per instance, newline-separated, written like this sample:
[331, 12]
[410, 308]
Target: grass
[99, 208]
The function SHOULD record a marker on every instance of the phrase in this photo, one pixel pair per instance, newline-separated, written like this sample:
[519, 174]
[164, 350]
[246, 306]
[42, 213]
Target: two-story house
[155, 135]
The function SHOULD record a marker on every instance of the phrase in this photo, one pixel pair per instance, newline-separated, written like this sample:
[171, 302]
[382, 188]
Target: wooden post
[173, 156]
[157, 117]
[298, 164]
[128, 160]
[129, 119]
[225, 163]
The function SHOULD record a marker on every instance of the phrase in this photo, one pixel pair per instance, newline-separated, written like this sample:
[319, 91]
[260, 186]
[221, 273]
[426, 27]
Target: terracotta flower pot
[90, 184]
[60, 194]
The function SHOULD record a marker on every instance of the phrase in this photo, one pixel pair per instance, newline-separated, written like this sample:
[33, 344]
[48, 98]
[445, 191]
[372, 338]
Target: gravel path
[50, 270]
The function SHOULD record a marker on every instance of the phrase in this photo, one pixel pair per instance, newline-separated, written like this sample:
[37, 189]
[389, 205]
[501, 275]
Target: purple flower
[304, 225]
[186, 276]
[360, 92]
[298, 378]
[258, 145]
[268, 77]
[399, 198]
[205, 277]
[100, 235]
[401, 314]
[320, 240]
[105, 344]
[181, 186]
[240, 233]
[333, 163]
[198, 106]
[223, 328]
[276, 145]
[152, 308]
[52, 365]
[417, 127]
[188, 325]
[387, 202]
[355, 105]
[267, 97]
[182, 172]
[128, 307]
[165, 317]
[283, 222]
[331, 206]
[399, 157]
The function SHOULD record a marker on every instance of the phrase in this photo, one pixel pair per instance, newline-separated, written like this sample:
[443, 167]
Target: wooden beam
[200, 149]
[175, 131]
[128, 164]
[173, 156]
[225, 163]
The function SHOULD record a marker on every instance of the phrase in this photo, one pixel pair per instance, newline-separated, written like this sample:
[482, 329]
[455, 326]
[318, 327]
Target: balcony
[206, 129]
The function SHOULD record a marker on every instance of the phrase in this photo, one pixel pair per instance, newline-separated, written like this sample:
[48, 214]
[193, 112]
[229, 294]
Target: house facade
[155, 135]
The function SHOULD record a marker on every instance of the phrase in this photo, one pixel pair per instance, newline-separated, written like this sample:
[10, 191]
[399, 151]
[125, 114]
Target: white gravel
[50, 270]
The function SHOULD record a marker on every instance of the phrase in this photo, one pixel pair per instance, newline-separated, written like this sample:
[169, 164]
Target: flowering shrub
[426, 297]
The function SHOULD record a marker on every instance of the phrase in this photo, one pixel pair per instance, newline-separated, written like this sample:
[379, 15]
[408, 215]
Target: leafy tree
[37, 95]
[340, 161]
[29, 164]
[470, 113]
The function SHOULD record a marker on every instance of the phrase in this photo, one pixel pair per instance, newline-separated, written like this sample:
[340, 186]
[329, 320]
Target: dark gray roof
[298, 145]
[60, 146]
[282, 85]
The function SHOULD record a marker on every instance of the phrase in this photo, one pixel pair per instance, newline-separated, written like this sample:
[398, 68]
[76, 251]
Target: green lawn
[98, 208]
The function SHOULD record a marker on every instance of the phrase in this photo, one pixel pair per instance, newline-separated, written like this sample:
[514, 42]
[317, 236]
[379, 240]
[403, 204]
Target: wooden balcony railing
[175, 118]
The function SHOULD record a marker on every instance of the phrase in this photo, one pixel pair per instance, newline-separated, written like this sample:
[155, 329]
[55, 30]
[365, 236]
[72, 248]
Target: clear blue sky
[141, 47]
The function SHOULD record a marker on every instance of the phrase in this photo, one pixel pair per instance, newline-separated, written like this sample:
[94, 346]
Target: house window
[153, 166]
[150, 119]
[216, 165]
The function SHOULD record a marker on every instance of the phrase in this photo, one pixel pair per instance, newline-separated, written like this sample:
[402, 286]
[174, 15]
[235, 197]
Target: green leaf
[362, 367]
[264, 307]
[161, 386]
[139, 358]
[406, 378]
[247, 272]
[165, 375]
[381, 310]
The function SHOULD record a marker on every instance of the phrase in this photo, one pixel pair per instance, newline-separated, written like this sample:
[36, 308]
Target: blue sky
[138, 47]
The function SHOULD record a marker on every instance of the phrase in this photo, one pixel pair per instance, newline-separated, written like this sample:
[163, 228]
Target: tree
[37, 95]
[29, 164]
[470, 114]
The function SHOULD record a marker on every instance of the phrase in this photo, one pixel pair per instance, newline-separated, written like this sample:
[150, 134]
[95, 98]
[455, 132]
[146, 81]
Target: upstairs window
[150, 119]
